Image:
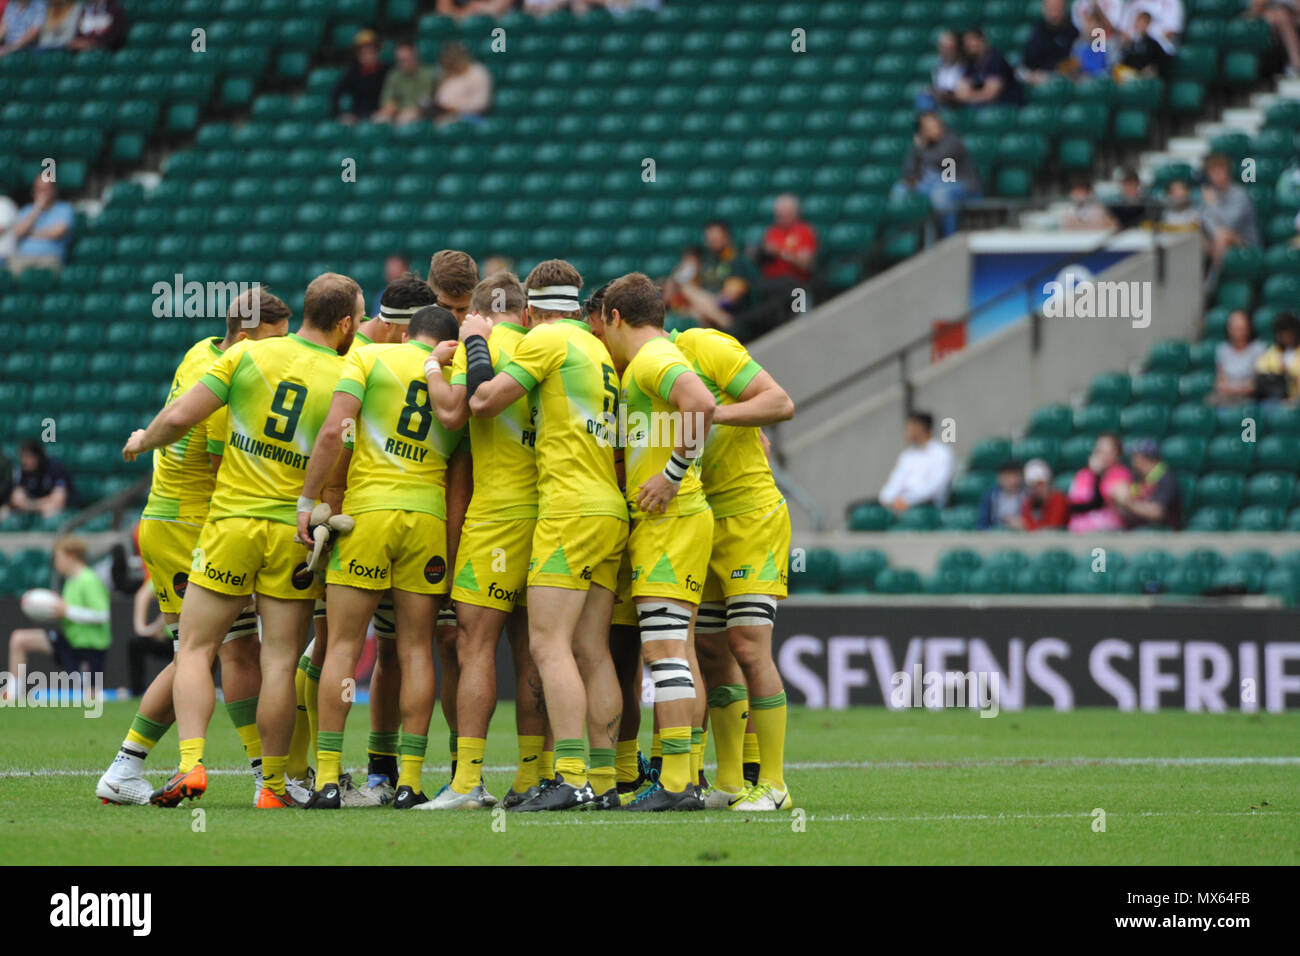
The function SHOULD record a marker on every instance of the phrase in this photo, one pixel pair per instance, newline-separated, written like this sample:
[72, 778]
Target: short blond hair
[453, 272]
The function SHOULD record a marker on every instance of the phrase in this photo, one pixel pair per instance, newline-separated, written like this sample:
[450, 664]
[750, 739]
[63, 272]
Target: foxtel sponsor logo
[76, 909]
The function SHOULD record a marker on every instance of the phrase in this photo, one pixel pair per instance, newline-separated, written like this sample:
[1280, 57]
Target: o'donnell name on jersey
[268, 450]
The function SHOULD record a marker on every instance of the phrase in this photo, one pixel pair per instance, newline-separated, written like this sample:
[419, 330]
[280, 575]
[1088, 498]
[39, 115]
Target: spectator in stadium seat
[81, 642]
[924, 468]
[1155, 498]
[724, 289]
[1234, 361]
[408, 89]
[1227, 213]
[394, 266]
[102, 26]
[60, 26]
[1107, 15]
[1131, 209]
[1181, 213]
[363, 80]
[988, 78]
[1283, 16]
[939, 167]
[43, 230]
[460, 9]
[465, 87]
[1043, 507]
[1000, 506]
[947, 73]
[1085, 212]
[1142, 54]
[42, 485]
[790, 244]
[1166, 25]
[1049, 49]
[1094, 487]
[20, 27]
[1277, 371]
[1098, 44]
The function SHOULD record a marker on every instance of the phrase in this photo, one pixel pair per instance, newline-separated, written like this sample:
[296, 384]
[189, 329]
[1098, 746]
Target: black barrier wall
[1196, 657]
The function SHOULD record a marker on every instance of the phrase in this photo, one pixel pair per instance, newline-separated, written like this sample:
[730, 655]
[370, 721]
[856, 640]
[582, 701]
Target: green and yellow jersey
[653, 424]
[277, 392]
[504, 447]
[577, 406]
[399, 450]
[183, 479]
[735, 471]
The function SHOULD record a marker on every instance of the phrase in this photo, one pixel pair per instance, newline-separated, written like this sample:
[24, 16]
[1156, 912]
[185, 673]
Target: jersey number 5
[289, 401]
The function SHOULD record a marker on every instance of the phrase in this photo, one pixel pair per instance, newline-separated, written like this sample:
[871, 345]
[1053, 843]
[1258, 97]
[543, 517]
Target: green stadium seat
[989, 454]
[1148, 420]
[1111, 388]
[858, 569]
[870, 516]
[1052, 421]
[969, 487]
[820, 573]
[1096, 418]
[1184, 452]
[1193, 418]
[898, 581]
[917, 518]
[1230, 453]
[1222, 489]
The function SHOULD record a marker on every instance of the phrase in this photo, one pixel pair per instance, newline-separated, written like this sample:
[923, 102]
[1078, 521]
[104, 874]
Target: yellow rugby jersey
[735, 471]
[399, 451]
[277, 392]
[182, 472]
[505, 447]
[577, 406]
[652, 426]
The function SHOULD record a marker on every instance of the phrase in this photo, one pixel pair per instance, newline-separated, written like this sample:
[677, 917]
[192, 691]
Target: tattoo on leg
[539, 698]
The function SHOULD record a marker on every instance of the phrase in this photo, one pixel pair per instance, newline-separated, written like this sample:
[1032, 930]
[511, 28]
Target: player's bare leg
[205, 619]
[285, 624]
[530, 712]
[751, 643]
[553, 615]
[478, 631]
[727, 710]
[625, 648]
[604, 696]
[445, 639]
[349, 611]
[415, 615]
[675, 672]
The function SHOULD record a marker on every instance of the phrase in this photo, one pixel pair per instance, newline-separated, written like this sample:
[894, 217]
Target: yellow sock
[625, 761]
[530, 757]
[251, 740]
[310, 697]
[676, 771]
[656, 745]
[728, 713]
[469, 763]
[546, 766]
[412, 749]
[191, 754]
[751, 754]
[571, 761]
[769, 724]
[300, 743]
[601, 773]
[273, 773]
[409, 774]
[329, 758]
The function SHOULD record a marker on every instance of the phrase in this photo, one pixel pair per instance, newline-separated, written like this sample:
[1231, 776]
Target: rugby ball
[41, 604]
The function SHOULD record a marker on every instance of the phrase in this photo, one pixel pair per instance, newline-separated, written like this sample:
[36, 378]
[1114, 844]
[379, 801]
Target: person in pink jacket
[1093, 490]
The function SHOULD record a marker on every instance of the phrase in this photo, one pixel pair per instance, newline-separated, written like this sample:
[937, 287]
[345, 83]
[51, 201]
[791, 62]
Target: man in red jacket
[1044, 506]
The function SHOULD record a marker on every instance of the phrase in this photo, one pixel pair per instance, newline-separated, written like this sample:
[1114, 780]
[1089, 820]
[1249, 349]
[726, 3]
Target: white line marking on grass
[972, 764]
[731, 816]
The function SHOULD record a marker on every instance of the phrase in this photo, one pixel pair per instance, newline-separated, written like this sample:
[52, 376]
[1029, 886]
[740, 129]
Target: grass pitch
[873, 787]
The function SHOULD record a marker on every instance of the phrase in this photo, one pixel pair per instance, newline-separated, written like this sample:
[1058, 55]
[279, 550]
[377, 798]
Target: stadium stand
[226, 164]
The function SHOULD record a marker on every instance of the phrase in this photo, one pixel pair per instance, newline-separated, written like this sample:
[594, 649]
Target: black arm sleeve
[478, 363]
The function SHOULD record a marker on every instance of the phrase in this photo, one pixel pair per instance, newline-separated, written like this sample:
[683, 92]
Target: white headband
[560, 298]
[398, 316]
